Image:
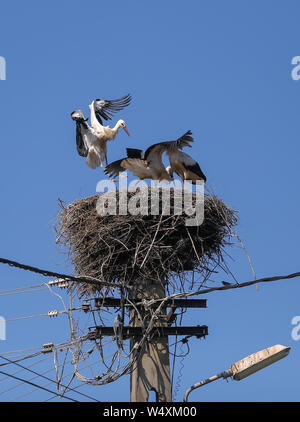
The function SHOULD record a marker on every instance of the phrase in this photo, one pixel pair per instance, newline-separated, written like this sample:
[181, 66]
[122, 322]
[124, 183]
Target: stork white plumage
[91, 140]
[103, 109]
[87, 141]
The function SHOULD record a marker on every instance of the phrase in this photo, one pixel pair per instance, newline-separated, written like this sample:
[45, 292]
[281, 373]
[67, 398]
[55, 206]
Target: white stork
[148, 164]
[91, 140]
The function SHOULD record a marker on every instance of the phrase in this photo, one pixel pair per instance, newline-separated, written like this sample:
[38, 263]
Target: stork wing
[135, 153]
[113, 169]
[191, 166]
[83, 133]
[155, 151]
[197, 171]
[137, 166]
[80, 141]
[106, 108]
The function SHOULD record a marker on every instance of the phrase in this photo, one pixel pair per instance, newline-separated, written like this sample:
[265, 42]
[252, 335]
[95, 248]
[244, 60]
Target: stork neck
[116, 128]
[94, 121]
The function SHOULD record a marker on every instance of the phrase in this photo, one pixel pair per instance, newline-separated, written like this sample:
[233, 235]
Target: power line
[48, 379]
[21, 370]
[26, 289]
[23, 358]
[48, 273]
[50, 314]
[225, 287]
[35, 389]
[62, 345]
[20, 351]
[35, 385]
[52, 397]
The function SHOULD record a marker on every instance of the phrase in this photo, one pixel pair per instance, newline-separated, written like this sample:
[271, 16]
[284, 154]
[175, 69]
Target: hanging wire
[78, 386]
[21, 370]
[20, 290]
[35, 389]
[114, 369]
[35, 385]
[22, 358]
[47, 273]
[43, 376]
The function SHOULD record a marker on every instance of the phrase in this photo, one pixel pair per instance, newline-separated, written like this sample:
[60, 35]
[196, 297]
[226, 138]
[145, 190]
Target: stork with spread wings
[91, 139]
[148, 164]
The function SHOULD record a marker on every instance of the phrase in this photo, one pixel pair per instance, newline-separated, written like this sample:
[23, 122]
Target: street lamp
[247, 366]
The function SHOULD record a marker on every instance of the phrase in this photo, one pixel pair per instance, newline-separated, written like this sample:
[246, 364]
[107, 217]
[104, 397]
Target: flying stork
[91, 140]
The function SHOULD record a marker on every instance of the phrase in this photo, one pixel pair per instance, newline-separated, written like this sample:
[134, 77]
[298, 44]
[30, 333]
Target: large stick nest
[122, 248]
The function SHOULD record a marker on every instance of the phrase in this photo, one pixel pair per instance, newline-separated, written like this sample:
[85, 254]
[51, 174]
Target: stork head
[169, 170]
[78, 116]
[122, 124]
[91, 105]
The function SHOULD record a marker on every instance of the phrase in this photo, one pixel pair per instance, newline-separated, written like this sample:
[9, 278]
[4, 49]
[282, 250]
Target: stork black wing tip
[188, 133]
[134, 153]
[185, 139]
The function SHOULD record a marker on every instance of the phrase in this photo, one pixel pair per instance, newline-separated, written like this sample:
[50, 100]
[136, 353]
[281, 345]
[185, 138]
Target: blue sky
[220, 69]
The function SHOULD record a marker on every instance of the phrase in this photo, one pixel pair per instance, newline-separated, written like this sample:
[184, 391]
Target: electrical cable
[43, 376]
[20, 290]
[53, 313]
[18, 371]
[35, 385]
[48, 273]
[20, 359]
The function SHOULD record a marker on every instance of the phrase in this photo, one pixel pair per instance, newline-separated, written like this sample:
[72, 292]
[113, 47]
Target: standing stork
[181, 163]
[148, 164]
[186, 167]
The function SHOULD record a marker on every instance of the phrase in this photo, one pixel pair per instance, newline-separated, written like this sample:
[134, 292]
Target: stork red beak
[126, 130]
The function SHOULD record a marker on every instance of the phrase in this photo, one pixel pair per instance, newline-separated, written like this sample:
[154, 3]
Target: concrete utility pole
[152, 370]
